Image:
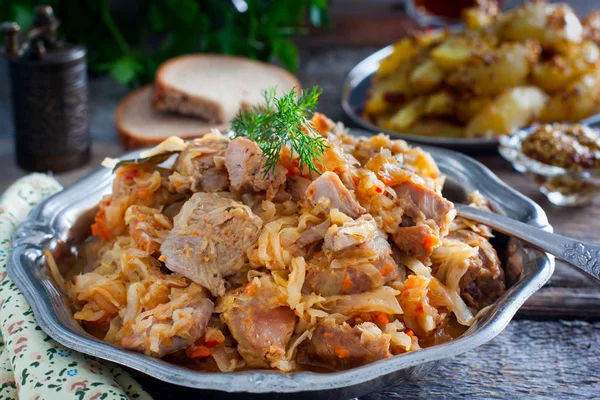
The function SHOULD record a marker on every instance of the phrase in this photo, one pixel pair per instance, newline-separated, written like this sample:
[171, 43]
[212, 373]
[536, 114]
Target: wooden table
[552, 348]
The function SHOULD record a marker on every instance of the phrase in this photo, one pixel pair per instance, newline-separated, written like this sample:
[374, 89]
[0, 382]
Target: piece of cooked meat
[209, 240]
[260, 320]
[200, 166]
[340, 346]
[356, 258]
[427, 217]
[297, 186]
[421, 203]
[313, 234]
[175, 325]
[326, 281]
[416, 241]
[148, 228]
[245, 166]
[483, 282]
[330, 186]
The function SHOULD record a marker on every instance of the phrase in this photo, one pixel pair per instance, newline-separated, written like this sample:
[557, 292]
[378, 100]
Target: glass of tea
[442, 12]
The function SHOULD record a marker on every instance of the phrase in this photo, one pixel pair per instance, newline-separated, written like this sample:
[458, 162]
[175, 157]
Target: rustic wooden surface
[550, 351]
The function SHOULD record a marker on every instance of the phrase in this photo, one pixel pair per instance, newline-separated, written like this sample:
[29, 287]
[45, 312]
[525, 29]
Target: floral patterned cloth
[33, 366]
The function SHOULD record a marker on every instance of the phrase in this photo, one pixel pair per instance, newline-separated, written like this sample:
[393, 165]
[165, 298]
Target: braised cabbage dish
[227, 260]
[535, 63]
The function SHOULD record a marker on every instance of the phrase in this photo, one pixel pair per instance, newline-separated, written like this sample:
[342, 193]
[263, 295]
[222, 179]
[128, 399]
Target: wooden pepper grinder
[49, 96]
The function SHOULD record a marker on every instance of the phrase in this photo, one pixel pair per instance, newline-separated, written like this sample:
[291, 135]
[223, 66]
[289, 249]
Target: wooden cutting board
[569, 294]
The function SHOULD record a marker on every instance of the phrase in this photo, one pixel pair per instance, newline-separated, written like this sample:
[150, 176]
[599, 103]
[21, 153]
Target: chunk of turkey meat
[297, 186]
[417, 241]
[260, 320]
[245, 166]
[209, 240]
[200, 166]
[340, 346]
[421, 203]
[427, 217]
[483, 282]
[330, 186]
[356, 258]
[313, 234]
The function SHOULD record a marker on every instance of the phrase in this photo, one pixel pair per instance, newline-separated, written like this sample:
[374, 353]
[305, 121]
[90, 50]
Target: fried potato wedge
[496, 70]
[514, 109]
[407, 115]
[579, 100]
[549, 24]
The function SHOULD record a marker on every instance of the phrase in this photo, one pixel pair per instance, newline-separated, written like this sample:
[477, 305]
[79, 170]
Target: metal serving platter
[62, 222]
[357, 84]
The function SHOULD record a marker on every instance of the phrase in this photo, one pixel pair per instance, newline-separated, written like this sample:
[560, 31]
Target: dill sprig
[283, 121]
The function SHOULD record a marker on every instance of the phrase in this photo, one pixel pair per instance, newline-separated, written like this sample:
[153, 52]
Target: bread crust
[130, 140]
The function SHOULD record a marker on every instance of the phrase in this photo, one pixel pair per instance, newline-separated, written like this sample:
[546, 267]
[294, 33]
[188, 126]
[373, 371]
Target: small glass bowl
[561, 186]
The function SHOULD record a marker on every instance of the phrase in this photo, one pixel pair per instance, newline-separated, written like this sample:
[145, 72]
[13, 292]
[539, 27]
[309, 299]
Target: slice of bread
[139, 125]
[215, 87]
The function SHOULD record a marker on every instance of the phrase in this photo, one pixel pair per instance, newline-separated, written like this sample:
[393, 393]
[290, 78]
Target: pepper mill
[49, 95]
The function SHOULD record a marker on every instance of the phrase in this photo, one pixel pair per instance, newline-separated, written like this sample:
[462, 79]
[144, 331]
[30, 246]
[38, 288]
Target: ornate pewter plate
[62, 221]
[358, 83]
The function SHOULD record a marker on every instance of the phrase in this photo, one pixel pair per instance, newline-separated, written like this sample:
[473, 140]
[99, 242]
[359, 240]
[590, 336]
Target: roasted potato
[459, 49]
[426, 76]
[514, 109]
[494, 71]
[579, 100]
[439, 104]
[480, 16]
[404, 50]
[387, 93]
[591, 26]
[549, 24]
[407, 115]
[429, 38]
[554, 74]
[469, 105]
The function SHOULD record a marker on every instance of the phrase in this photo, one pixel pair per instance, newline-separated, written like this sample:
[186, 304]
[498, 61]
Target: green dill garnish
[283, 121]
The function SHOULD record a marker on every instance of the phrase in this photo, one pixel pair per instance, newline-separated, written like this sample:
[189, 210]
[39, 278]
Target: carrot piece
[194, 351]
[409, 333]
[347, 284]
[341, 352]
[328, 335]
[381, 318]
[99, 228]
[250, 289]
[386, 269]
[430, 241]
[211, 343]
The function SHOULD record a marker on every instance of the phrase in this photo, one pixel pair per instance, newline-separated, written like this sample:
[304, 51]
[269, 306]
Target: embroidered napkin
[33, 366]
